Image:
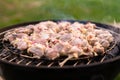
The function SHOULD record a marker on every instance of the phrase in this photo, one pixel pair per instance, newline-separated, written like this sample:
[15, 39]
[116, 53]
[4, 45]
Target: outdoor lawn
[18, 11]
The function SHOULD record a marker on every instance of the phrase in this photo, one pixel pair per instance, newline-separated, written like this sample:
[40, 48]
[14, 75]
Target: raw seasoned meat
[54, 39]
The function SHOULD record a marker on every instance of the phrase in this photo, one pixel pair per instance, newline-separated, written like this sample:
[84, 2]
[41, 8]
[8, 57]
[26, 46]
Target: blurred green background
[18, 11]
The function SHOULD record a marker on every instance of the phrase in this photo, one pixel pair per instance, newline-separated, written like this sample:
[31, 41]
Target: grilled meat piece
[52, 53]
[37, 50]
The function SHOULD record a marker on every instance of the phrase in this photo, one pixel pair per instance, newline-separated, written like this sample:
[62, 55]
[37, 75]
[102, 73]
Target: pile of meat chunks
[55, 39]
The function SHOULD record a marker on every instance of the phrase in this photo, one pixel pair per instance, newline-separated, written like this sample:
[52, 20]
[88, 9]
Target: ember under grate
[10, 54]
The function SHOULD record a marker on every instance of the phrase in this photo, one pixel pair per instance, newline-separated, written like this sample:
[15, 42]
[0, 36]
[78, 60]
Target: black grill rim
[117, 30]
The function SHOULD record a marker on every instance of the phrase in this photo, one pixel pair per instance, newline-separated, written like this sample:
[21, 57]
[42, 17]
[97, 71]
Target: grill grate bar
[39, 64]
[89, 61]
[75, 64]
[28, 63]
[103, 59]
[6, 57]
[20, 61]
[3, 52]
[50, 64]
[12, 59]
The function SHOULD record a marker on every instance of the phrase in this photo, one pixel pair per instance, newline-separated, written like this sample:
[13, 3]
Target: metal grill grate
[39, 62]
[7, 55]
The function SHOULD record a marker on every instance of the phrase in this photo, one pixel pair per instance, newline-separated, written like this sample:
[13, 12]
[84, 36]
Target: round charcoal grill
[103, 67]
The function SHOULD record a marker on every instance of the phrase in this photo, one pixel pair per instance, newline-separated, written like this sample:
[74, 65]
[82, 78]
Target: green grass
[18, 11]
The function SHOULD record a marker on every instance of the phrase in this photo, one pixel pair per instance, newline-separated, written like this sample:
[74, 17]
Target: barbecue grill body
[106, 71]
[96, 71]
